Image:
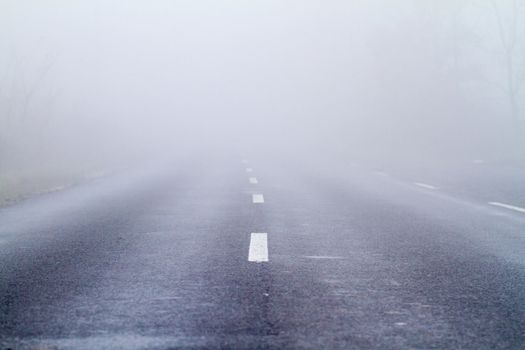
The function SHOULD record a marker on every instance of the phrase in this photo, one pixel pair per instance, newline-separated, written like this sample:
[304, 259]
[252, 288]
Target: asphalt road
[356, 260]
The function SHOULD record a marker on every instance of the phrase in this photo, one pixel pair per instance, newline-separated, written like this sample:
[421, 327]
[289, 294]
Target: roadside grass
[16, 186]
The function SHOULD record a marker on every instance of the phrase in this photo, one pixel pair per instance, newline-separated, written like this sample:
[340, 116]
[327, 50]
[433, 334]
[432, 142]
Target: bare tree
[17, 91]
[512, 39]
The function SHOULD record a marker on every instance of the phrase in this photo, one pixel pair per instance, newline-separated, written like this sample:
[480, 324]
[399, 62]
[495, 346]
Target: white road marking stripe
[258, 198]
[165, 298]
[249, 170]
[427, 186]
[253, 180]
[508, 206]
[258, 248]
[244, 161]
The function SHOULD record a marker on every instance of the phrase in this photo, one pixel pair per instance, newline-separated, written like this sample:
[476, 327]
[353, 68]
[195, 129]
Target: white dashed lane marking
[321, 257]
[253, 180]
[427, 186]
[249, 170]
[258, 248]
[257, 198]
[508, 206]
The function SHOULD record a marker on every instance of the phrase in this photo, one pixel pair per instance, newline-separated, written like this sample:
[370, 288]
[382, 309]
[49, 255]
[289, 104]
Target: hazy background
[92, 84]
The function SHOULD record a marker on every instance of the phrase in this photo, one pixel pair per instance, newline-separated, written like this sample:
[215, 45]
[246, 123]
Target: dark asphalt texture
[157, 259]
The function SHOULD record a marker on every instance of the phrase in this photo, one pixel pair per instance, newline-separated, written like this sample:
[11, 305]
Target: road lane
[161, 263]
[357, 261]
[412, 270]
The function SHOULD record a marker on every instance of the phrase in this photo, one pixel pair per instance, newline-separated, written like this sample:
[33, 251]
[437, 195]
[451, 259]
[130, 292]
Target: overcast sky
[380, 78]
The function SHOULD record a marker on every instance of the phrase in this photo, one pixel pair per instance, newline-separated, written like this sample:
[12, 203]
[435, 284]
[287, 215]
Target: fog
[93, 84]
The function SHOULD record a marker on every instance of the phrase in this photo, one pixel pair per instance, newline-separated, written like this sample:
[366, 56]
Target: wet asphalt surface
[158, 259]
